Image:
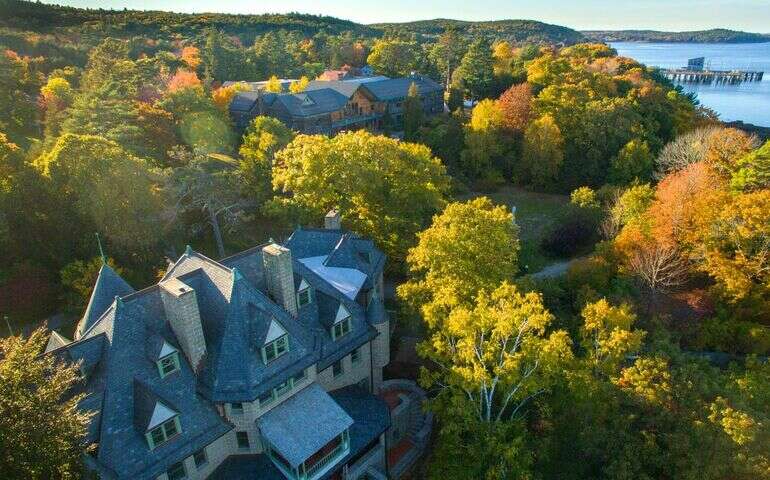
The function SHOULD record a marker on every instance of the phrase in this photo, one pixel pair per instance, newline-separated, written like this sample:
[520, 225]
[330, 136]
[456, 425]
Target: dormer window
[341, 325]
[276, 342]
[169, 360]
[303, 294]
[165, 430]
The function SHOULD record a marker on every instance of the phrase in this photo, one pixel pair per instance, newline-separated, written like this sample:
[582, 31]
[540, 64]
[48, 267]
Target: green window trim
[341, 328]
[282, 389]
[275, 349]
[164, 432]
[168, 364]
[355, 356]
[304, 297]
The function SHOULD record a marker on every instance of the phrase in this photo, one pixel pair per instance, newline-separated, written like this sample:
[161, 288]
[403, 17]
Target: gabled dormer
[304, 294]
[156, 419]
[341, 326]
[276, 342]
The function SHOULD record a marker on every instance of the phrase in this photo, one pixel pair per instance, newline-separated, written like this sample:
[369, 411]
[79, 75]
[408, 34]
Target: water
[748, 101]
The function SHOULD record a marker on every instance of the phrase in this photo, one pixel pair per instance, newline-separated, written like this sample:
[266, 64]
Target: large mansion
[267, 364]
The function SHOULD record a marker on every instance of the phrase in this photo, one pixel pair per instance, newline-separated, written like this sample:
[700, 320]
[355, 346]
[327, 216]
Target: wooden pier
[683, 75]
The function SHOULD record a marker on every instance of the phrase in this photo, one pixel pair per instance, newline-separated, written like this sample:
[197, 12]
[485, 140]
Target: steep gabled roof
[108, 286]
[313, 102]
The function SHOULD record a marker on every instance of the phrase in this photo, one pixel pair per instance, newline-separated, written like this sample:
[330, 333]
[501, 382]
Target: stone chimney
[181, 305]
[332, 220]
[279, 274]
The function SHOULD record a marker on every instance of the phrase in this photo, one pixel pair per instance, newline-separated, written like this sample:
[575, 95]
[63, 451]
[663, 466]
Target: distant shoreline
[720, 36]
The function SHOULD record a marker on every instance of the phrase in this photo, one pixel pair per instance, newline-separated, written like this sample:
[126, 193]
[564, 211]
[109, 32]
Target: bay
[748, 101]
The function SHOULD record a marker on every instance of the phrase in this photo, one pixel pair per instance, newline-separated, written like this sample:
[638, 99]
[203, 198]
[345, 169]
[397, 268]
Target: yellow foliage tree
[299, 86]
[224, 95]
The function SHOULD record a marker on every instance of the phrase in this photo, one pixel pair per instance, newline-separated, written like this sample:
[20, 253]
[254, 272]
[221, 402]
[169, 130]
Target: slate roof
[370, 419]
[108, 285]
[312, 102]
[244, 101]
[396, 88]
[344, 87]
[297, 435]
[119, 346]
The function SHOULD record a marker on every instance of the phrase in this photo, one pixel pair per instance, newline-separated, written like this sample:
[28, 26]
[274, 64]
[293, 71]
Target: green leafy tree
[471, 246]
[108, 186]
[385, 189]
[543, 152]
[633, 162]
[393, 57]
[412, 113]
[494, 357]
[485, 155]
[42, 431]
[447, 53]
[445, 137]
[476, 71]
[752, 171]
[264, 137]
[78, 279]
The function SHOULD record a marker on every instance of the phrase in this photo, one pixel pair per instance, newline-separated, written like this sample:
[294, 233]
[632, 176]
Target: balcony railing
[326, 460]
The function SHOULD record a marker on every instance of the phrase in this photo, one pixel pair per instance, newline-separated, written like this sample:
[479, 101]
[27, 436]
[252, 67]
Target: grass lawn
[535, 213]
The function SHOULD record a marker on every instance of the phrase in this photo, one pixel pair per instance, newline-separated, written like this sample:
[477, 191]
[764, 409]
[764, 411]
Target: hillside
[55, 19]
[512, 30]
[717, 35]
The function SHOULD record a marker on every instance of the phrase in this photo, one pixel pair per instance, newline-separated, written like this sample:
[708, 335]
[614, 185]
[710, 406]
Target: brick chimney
[279, 274]
[332, 220]
[181, 305]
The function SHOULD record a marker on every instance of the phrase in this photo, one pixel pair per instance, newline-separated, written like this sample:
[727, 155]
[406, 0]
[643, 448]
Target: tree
[264, 137]
[37, 397]
[608, 336]
[412, 113]
[79, 277]
[543, 151]
[471, 246]
[447, 53]
[584, 197]
[198, 122]
[183, 79]
[222, 96]
[18, 90]
[207, 184]
[393, 57]
[484, 155]
[633, 162]
[659, 266]
[191, 56]
[107, 186]
[299, 86]
[752, 171]
[476, 72]
[493, 358]
[385, 189]
[516, 104]
[445, 137]
[273, 85]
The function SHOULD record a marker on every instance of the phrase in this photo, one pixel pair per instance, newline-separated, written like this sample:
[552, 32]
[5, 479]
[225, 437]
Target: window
[355, 356]
[300, 377]
[200, 458]
[236, 408]
[176, 472]
[282, 388]
[243, 440]
[275, 349]
[341, 328]
[266, 399]
[163, 432]
[168, 364]
[303, 297]
[337, 368]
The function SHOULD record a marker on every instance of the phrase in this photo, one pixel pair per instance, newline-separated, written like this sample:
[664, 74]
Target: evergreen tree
[476, 71]
[412, 113]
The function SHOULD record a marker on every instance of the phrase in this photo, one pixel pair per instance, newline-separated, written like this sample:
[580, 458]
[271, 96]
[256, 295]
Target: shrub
[576, 230]
[734, 336]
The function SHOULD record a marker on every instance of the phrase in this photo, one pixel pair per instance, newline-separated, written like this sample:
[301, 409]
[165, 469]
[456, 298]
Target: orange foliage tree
[191, 56]
[183, 79]
[516, 104]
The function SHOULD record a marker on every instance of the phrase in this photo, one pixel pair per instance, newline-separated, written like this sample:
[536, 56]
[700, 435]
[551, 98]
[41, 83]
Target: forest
[717, 35]
[647, 359]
